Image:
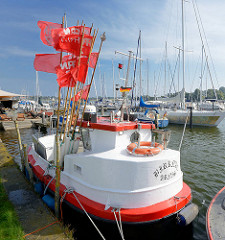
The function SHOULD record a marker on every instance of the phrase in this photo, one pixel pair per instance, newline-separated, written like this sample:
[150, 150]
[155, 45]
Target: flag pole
[77, 115]
[68, 109]
[78, 108]
[74, 88]
[103, 38]
[64, 112]
[57, 170]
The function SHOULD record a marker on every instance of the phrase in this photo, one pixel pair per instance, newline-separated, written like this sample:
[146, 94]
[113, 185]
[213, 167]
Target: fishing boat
[115, 179]
[215, 216]
[111, 172]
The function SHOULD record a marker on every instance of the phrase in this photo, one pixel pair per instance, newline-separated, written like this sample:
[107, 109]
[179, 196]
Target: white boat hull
[199, 118]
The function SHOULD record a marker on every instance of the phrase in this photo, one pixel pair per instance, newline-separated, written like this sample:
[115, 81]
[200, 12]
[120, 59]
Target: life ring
[152, 148]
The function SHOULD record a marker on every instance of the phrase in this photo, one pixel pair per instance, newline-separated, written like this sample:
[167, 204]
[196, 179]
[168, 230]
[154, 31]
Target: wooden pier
[26, 123]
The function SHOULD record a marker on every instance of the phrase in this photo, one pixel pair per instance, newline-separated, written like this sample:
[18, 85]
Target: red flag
[84, 94]
[46, 62]
[64, 79]
[64, 76]
[79, 73]
[46, 31]
[69, 40]
[93, 59]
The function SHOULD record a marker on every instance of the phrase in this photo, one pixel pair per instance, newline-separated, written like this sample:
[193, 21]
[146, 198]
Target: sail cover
[177, 99]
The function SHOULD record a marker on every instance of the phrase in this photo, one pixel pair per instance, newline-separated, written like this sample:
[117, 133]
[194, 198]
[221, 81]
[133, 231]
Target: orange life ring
[153, 148]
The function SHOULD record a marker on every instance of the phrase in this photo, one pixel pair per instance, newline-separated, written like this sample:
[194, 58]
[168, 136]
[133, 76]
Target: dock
[26, 123]
[37, 221]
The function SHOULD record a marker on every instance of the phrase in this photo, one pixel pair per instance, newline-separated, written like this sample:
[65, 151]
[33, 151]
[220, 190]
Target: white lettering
[87, 42]
[71, 64]
[64, 65]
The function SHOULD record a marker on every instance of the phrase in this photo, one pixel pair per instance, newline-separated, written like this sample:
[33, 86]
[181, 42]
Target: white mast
[183, 47]
[140, 70]
[113, 82]
[37, 87]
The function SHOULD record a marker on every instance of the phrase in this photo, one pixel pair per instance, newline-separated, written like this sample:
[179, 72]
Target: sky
[159, 22]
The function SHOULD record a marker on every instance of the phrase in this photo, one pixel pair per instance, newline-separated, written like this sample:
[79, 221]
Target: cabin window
[134, 137]
[41, 151]
[77, 168]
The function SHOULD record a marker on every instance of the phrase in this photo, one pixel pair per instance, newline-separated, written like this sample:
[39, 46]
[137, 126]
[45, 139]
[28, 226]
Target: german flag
[125, 89]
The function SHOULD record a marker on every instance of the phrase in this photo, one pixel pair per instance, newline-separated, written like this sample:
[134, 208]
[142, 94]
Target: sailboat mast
[113, 82]
[37, 86]
[183, 47]
[201, 77]
[140, 67]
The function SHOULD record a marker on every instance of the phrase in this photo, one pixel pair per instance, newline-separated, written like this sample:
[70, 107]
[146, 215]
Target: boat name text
[168, 164]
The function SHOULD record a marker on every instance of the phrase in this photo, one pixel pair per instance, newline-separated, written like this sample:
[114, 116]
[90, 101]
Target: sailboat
[180, 112]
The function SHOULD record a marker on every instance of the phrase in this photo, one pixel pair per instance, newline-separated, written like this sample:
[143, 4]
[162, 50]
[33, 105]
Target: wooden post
[20, 146]
[27, 163]
[57, 175]
[57, 171]
[64, 112]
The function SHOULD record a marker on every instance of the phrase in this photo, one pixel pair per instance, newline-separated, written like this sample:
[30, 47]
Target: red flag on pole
[64, 76]
[46, 31]
[84, 94]
[79, 73]
[69, 40]
[64, 79]
[93, 59]
[46, 62]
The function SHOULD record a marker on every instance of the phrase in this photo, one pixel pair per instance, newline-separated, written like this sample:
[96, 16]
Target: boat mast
[201, 77]
[127, 78]
[113, 82]
[37, 87]
[140, 68]
[183, 47]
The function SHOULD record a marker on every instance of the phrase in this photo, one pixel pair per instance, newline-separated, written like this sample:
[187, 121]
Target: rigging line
[195, 73]
[172, 75]
[135, 67]
[204, 48]
[206, 42]
[181, 141]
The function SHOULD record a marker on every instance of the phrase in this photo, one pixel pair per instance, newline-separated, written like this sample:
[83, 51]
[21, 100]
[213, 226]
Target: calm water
[202, 162]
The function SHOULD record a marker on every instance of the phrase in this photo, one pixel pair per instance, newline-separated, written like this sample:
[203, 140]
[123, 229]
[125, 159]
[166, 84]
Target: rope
[177, 198]
[47, 173]
[70, 190]
[181, 141]
[40, 229]
[48, 185]
[119, 224]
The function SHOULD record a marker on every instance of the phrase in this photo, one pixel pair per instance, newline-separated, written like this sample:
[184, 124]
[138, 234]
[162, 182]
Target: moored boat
[111, 182]
[121, 178]
[215, 216]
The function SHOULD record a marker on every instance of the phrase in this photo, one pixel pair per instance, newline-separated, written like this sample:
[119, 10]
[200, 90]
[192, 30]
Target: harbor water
[202, 162]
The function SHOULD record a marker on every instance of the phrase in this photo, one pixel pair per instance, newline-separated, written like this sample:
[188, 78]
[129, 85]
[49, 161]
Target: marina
[143, 158]
[203, 171]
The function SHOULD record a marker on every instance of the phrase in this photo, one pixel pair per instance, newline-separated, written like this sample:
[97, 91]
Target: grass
[10, 228]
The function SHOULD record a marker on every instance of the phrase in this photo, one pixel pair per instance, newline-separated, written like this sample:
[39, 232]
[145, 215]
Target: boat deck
[216, 217]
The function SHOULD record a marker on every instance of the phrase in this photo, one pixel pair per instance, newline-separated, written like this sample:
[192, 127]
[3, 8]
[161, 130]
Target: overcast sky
[158, 20]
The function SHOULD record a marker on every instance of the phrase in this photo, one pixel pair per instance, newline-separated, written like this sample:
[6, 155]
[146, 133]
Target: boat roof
[104, 123]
